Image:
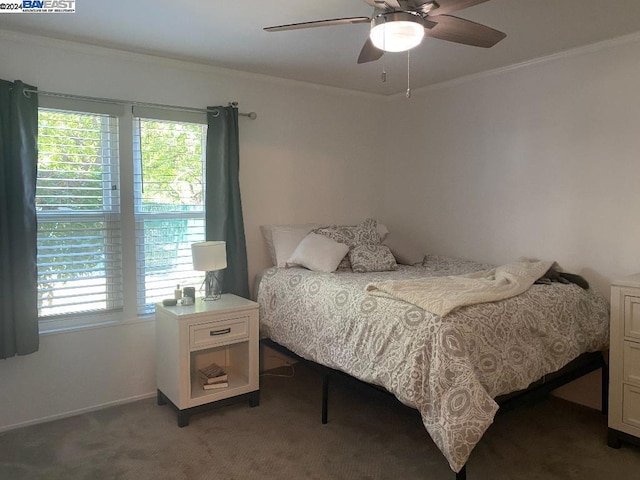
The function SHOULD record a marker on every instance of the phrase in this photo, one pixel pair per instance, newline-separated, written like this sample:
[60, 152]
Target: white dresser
[624, 362]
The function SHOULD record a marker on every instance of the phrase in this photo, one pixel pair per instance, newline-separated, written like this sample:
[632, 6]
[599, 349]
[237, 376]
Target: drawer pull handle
[213, 333]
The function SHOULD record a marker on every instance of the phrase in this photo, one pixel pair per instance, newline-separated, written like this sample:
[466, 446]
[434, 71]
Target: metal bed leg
[325, 397]
[605, 387]
[462, 474]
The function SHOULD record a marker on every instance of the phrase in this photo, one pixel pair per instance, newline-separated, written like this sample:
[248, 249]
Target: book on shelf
[213, 386]
[213, 373]
[220, 378]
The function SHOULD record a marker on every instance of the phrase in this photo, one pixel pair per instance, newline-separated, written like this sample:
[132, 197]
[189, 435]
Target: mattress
[449, 368]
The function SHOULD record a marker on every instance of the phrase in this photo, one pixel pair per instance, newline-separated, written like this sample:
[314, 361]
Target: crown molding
[188, 64]
[572, 52]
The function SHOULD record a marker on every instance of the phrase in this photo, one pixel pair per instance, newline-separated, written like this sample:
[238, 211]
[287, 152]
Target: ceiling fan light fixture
[396, 31]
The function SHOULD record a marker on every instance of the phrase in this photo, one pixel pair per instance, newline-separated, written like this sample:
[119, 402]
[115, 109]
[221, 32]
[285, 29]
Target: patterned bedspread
[450, 368]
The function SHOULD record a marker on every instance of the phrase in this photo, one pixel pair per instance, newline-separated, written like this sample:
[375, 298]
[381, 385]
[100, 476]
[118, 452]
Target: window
[169, 178]
[120, 200]
[78, 210]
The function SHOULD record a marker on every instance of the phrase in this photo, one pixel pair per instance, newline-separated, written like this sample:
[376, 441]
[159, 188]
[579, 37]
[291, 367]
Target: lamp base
[212, 286]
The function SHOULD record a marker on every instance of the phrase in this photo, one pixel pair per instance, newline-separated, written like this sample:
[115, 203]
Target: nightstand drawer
[631, 362]
[225, 331]
[631, 406]
[632, 316]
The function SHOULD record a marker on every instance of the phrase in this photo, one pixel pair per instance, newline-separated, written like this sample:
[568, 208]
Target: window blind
[169, 177]
[78, 211]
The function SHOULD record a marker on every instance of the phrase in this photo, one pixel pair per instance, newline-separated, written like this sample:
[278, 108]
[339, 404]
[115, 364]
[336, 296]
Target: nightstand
[624, 362]
[188, 338]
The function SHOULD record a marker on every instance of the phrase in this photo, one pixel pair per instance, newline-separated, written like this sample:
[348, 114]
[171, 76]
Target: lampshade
[209, 256]
[396, 31]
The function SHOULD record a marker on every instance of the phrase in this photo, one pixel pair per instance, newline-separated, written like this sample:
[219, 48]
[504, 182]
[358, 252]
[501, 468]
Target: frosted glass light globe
[397, 36]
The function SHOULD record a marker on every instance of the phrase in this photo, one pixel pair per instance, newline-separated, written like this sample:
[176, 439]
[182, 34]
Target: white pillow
[318, 253]
[267, 234]
[282, 240]
[406, 253]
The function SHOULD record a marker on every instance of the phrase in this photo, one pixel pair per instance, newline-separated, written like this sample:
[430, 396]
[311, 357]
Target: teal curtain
[18, 235]
[222, 198]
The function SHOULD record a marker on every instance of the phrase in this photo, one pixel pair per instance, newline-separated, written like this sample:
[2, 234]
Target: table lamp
[210, 257]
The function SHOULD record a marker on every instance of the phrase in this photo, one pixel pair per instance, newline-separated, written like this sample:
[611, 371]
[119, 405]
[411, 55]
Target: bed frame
[584, 364]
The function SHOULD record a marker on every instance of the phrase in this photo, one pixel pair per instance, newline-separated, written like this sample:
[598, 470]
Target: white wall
[540, 161]
[301, 160]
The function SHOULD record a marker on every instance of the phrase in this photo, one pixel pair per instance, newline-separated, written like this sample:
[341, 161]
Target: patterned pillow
[345, 264]
[372, 258]
[365, 233]
[352, 235]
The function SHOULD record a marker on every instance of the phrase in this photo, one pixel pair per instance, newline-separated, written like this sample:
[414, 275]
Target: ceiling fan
[400, 25]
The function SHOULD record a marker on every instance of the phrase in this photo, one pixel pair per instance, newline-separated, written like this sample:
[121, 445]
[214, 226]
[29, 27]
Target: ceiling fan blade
[369, 52]
[385, 4]
[459, 30]
[318, 23]
[448, 6]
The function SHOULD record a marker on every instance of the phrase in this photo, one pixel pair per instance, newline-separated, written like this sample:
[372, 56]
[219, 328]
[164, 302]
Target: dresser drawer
[632, 317]
[224, 331]
[631, 406]
[631, 362]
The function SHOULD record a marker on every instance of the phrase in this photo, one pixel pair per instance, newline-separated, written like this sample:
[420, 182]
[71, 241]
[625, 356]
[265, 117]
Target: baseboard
[79, 411]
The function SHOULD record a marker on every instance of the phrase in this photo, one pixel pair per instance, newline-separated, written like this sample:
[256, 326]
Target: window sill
[57, 327]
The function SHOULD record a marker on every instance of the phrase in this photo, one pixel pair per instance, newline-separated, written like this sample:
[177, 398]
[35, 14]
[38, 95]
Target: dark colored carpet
[369, 436]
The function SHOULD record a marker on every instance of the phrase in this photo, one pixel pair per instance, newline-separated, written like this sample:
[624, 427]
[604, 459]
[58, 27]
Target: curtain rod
[27, 92]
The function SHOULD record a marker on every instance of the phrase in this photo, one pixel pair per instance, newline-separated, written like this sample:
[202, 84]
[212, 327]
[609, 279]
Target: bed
[450, 368]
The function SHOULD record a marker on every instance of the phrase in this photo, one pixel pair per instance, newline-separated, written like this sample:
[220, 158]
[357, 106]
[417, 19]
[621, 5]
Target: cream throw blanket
[441, 295]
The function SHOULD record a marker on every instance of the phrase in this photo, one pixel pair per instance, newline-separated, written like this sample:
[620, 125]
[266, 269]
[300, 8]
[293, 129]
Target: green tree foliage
[172, 166]
[70, 197]
[70, 160]
[172, 171]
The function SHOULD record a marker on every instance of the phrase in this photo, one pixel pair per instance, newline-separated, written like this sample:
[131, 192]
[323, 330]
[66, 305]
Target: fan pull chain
[408, 94]
[383, 77]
